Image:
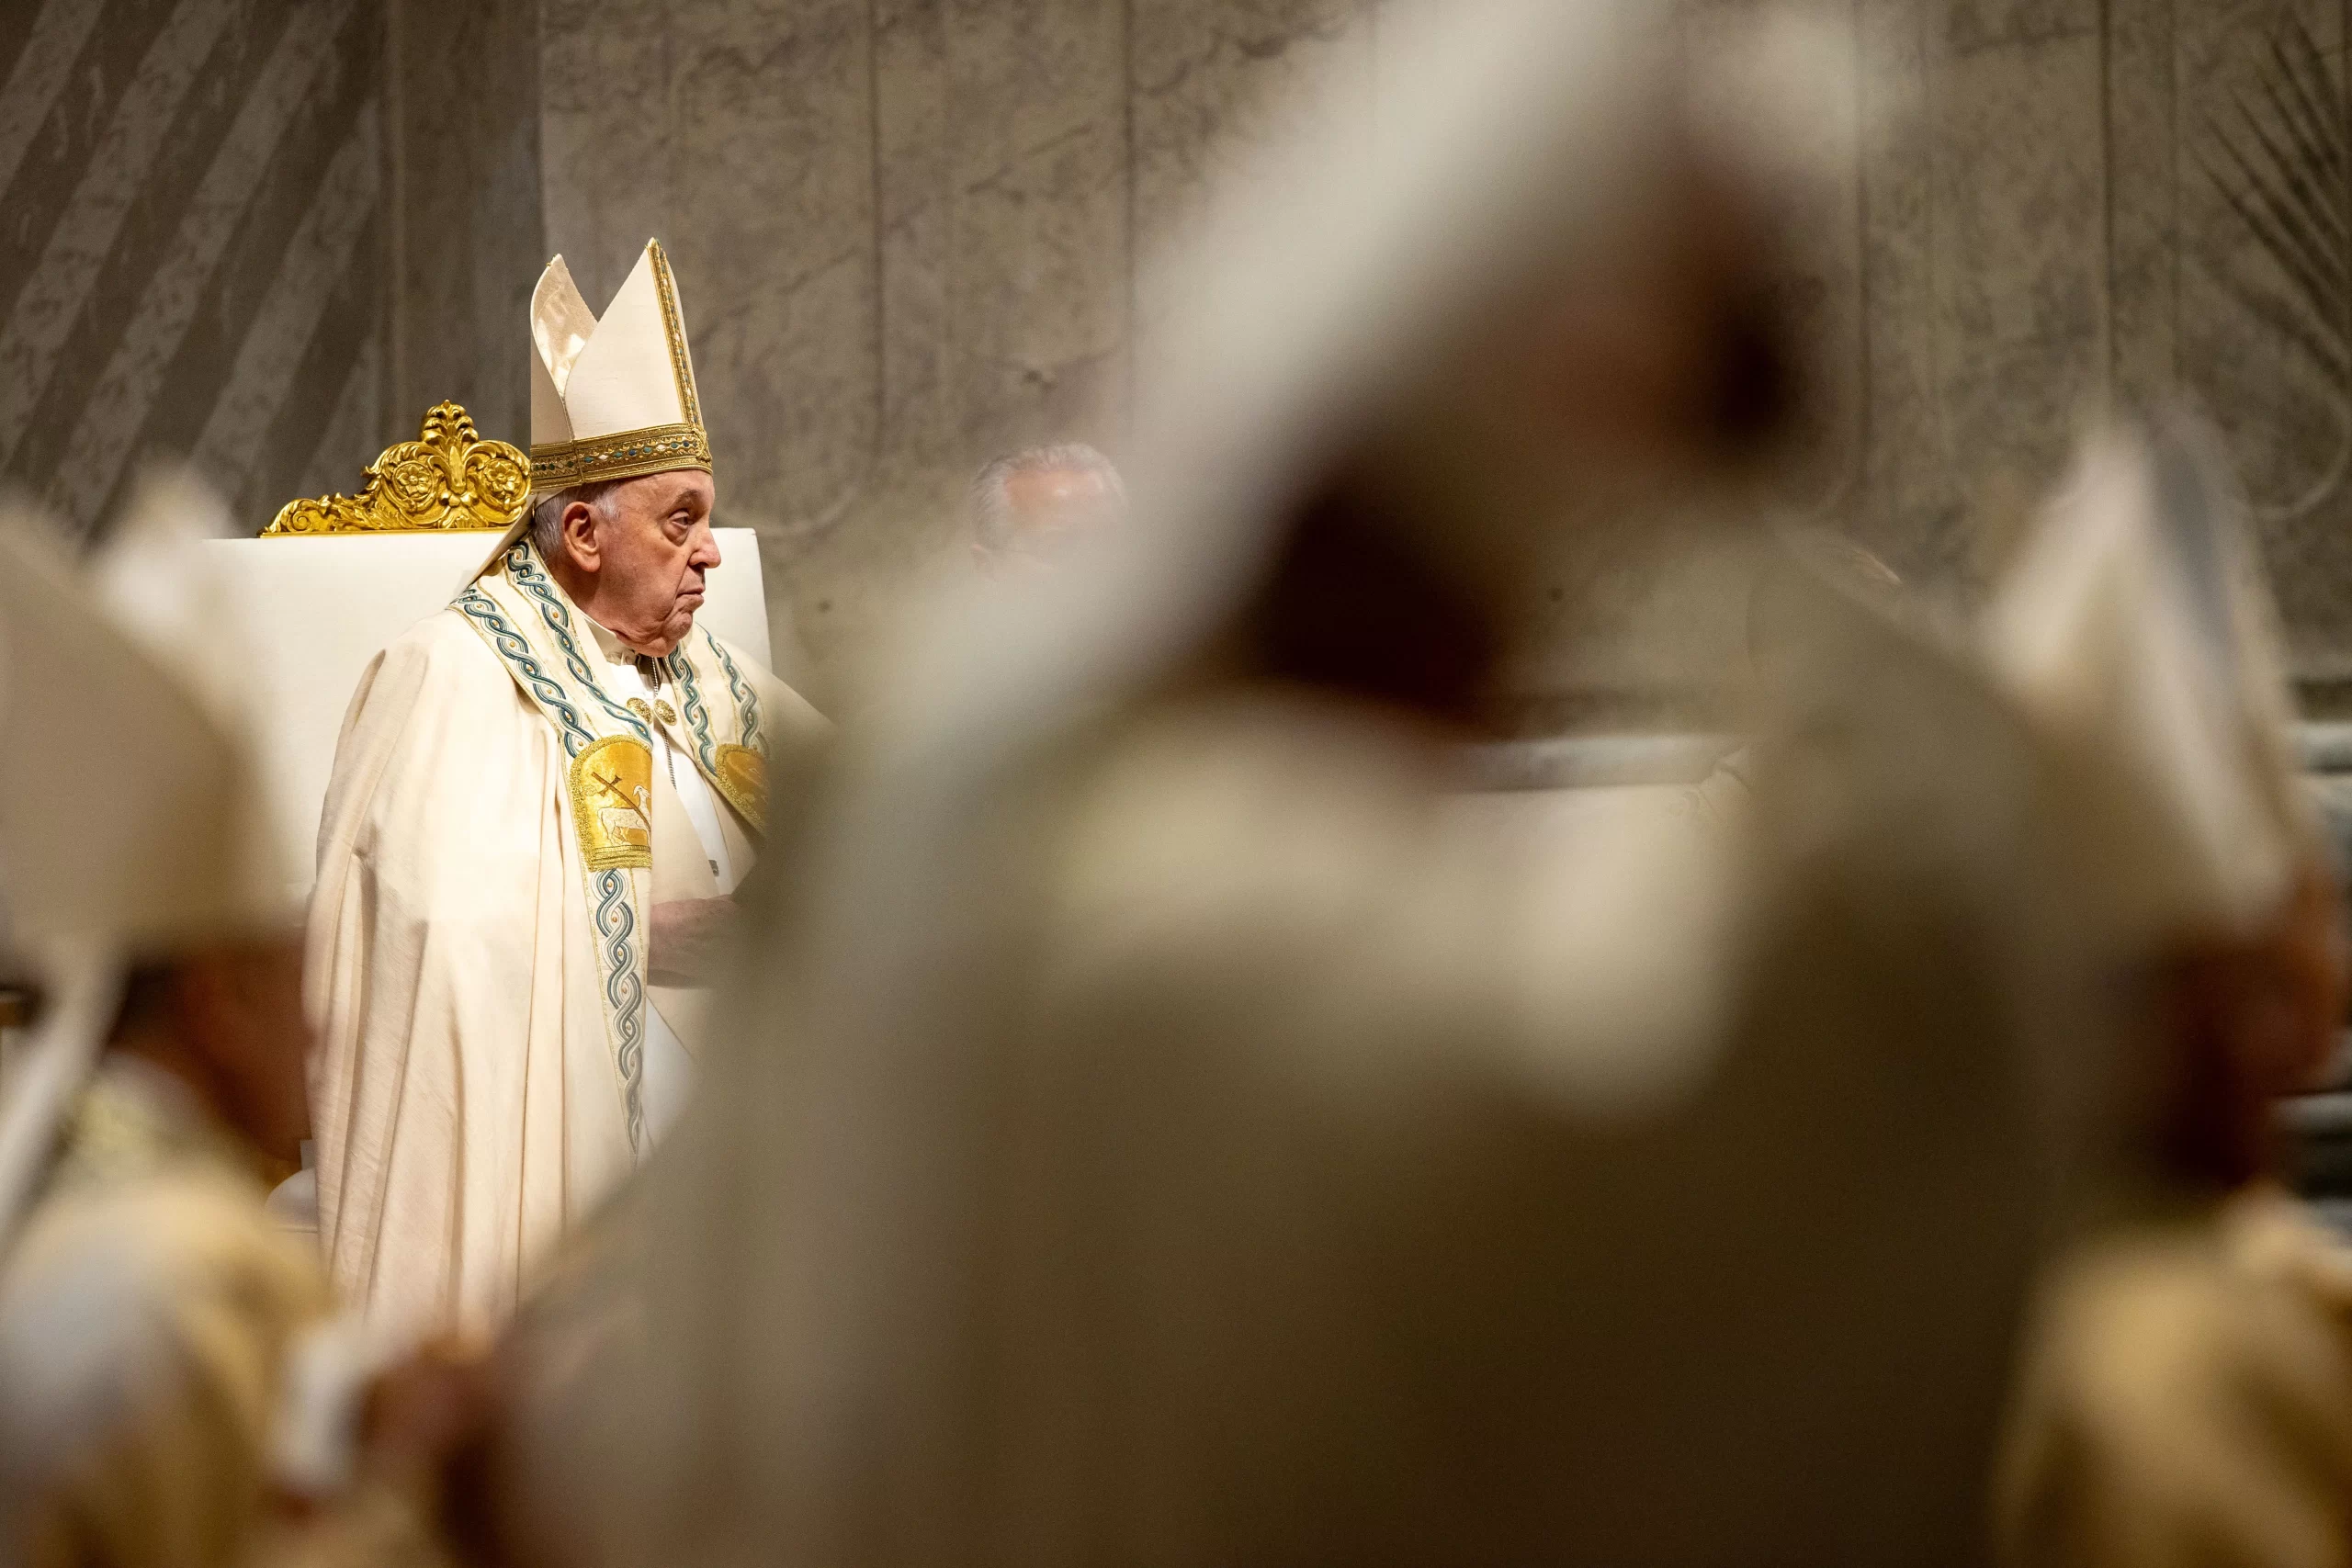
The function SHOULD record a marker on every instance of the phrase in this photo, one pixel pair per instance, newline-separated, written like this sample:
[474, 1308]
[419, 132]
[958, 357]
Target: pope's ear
[580, 535]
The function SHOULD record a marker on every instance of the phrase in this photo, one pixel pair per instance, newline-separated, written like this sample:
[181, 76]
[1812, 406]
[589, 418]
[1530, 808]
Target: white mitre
[130, 823]
[611, 399]
[2138, 631]
[127, 804]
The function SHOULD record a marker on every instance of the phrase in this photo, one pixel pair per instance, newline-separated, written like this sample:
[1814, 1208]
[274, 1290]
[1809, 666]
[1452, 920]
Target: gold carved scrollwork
[448, 479]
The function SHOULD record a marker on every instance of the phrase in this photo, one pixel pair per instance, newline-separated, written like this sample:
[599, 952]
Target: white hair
[991, 508]
[546, 514]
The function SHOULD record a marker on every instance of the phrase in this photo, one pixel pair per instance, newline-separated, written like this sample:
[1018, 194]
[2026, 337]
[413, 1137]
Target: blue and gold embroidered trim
[510, 646]
[609, 748]
[624, 996]
[697, 711]
[747, 701]
[522, 562]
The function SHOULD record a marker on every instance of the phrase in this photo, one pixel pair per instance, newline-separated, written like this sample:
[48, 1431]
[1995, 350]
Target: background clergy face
[1050, 509]
[1029, 508]
[635, 559]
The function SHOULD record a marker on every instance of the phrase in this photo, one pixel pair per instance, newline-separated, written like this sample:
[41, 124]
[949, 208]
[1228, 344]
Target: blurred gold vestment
[2189, 1397]
[144, 1325]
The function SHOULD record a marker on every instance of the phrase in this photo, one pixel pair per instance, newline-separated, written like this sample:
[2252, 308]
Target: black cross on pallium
[612, 786]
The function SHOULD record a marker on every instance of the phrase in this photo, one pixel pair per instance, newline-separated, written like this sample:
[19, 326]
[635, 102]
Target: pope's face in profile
[643, 555]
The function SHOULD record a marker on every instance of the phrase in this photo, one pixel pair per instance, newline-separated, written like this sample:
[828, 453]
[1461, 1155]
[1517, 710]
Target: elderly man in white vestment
[542, 799]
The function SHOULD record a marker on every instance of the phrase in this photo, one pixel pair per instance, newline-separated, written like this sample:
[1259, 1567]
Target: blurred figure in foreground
[148, 1302]
[1030, 507]
[1165, 1139]
[2188, 1394]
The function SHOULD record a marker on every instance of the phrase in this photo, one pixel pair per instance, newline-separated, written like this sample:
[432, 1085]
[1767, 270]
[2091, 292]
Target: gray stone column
[464, 237]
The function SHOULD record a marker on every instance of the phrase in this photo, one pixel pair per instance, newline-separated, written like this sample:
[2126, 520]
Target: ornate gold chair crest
[446, 480]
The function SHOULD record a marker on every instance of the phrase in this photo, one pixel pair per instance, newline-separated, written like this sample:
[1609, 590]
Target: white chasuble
[477, 960]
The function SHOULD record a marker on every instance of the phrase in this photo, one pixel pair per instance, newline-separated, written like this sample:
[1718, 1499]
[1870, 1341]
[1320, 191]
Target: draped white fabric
[464, 1094]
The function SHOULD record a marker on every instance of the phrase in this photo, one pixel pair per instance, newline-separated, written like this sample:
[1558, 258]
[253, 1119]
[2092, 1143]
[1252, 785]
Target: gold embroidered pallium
[612, 803]
[741, 775]
[445, 480]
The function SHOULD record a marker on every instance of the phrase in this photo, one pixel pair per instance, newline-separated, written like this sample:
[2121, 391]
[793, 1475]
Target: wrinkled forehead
[658, 495]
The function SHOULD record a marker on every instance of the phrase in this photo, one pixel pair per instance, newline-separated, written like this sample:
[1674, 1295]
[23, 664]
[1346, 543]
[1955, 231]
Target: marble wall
[190, 244]
[462, 238]
[909, 235]
[263, 235]
[907, 231]
[2076, 205]
[2061, 209]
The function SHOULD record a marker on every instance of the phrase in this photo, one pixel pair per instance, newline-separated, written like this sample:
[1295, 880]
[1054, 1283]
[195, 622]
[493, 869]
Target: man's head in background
[1029, 507]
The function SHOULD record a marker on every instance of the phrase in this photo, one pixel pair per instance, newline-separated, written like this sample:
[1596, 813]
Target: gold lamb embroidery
[612, 803]
[741, 775]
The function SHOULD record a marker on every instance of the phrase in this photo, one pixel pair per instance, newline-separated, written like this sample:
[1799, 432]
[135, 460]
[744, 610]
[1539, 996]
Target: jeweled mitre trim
[653, 450]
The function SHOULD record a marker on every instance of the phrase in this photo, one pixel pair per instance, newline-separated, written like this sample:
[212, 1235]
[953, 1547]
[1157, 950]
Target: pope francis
[542, 797]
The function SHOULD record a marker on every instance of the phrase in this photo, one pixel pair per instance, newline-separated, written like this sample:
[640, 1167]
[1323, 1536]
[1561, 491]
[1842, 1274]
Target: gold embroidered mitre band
[622, 456]
[613, 397]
